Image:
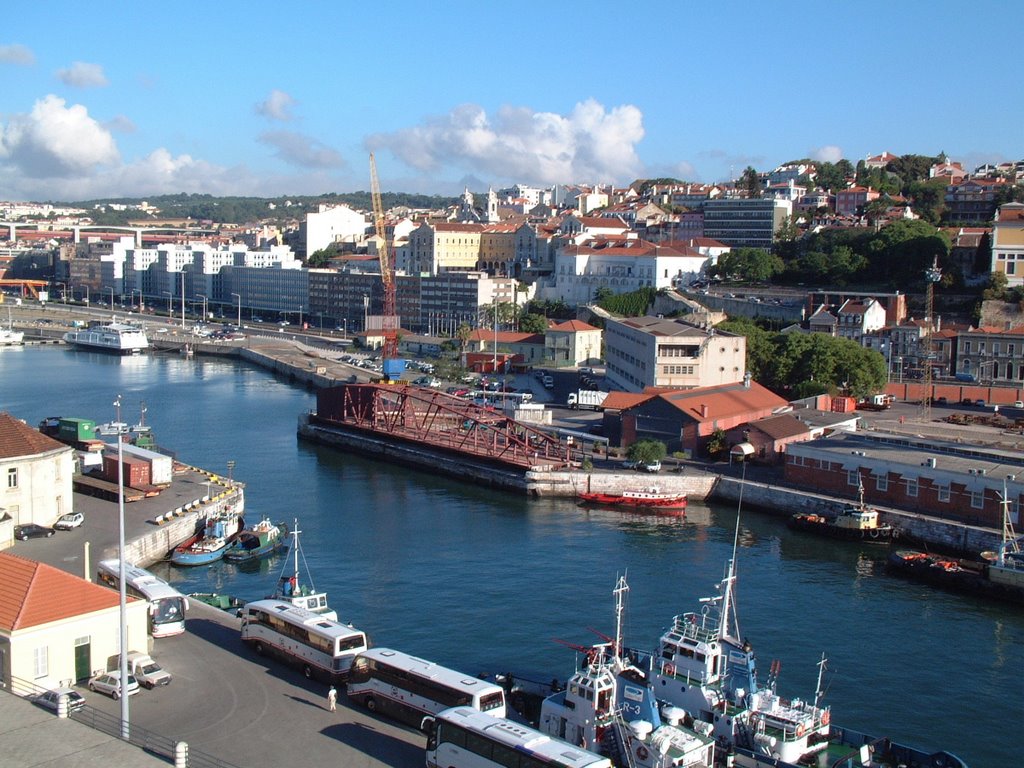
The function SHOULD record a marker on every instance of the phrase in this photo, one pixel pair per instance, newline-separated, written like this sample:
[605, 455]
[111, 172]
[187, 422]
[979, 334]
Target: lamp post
[183, 299]
[111, 298]
[168, 302]
[201, 296]
[121, 578]
[131, 298]
[366, 311]
[239, 297]
[86, 295]
[300, 317]
[63, 292]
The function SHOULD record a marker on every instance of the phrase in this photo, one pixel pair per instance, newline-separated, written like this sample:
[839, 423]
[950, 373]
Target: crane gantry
[387, 323]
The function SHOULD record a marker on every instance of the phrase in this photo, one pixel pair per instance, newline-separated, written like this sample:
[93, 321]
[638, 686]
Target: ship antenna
[621, 588]
[817, 687]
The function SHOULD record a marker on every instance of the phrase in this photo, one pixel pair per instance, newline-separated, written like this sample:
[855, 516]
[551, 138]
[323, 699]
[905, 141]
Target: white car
[110, 684]
[51, 699]
[69, 521]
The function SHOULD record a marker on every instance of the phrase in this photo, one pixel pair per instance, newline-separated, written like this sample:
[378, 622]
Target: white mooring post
[181, 754]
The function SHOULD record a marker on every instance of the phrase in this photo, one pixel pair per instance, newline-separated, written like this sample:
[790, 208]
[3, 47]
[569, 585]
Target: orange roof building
[37, 475]
[59, 627]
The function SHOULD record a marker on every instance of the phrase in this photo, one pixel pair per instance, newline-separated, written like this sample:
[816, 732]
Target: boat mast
[817, 687]
[1010, 542]
[621, 588]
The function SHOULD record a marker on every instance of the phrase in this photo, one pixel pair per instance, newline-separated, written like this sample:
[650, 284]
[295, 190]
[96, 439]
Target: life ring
[800, 731]
[641, 752]
[826, 717]
[670, 669]
[874, 533]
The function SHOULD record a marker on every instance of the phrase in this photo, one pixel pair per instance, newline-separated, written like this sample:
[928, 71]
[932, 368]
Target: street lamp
[366, 311]
[169, 296]
[183, 299]
[111, 298]
[239, 297]
[201, 296]
[86, 295]
[63, 292]
[122, 577]
[131, 297]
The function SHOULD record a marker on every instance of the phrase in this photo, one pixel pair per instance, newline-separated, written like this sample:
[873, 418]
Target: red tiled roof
[618, 401]
[571, 325]
[19, 439]
[506, 337]
[723, 401]
[781, 426]
[35, 593]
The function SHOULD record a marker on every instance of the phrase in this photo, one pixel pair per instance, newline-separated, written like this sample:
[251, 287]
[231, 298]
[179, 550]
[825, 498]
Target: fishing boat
[119, 338]
[609, 707]
[292, 589]
[858, 522]
[263, 539]
[209, 546]
[650, 500]
[219, 600]
[702, 666]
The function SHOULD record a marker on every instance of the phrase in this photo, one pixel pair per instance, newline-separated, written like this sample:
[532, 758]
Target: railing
[143, 738]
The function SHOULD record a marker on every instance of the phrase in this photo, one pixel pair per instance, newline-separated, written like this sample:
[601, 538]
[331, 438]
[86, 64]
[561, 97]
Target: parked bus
[465, 738]
[167, 605]
[320, 647]
[407, 688]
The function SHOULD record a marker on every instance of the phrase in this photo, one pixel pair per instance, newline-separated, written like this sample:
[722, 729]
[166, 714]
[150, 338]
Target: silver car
[51, 699]
[110, 684]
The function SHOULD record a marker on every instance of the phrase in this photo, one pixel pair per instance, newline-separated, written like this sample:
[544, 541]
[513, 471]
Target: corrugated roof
[618, 401]
[36, 593]
[781, 426]
[723, 401]
[19, 439]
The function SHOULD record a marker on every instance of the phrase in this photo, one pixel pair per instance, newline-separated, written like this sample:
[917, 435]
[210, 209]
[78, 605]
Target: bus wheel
[259, 648]
[308, 672]
[371, 704]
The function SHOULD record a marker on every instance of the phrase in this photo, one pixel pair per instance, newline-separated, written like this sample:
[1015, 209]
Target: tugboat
[291, 590]
[855, 523]
[702, 666]
[264, 538]
[609, 707]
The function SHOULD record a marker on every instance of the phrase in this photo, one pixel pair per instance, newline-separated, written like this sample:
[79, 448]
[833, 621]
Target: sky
[276, 99]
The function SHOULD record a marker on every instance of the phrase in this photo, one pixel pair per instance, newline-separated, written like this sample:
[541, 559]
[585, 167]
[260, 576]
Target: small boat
[10, 337]
[207, 547]
[264, 538]
[119, 338]
[609, 707]
[858, 522]
[224, 602]
[291, 589]
[650, 500]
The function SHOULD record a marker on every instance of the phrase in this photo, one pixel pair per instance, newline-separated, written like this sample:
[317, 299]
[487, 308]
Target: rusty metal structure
[441, 422]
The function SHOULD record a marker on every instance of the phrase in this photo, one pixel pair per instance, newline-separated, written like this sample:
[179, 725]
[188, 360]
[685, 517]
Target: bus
[320, 647]
[407, 688]
[167, 605]
[463, 737]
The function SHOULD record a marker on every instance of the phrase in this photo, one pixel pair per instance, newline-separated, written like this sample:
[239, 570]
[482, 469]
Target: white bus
[167, 605]
[408, 688]
[320, 647]
[465, 738]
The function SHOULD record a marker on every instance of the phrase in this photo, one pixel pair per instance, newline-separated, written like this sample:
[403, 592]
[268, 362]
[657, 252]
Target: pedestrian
[332, 699]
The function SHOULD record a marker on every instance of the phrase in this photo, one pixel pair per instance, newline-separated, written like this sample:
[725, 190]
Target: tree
[751, 182]
[760, 345]
[715, 446]
[646, 451]
[929, 198]
[533, 323]
[319, 258]
[750, 264]
[463, 333]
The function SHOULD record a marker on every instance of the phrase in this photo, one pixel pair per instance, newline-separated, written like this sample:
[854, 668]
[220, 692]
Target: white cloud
[827, 154]
[55, 140]
[590, 143]
[83, 75]
[17, 53]
[120, 124]
[301, 150]
[277, 106]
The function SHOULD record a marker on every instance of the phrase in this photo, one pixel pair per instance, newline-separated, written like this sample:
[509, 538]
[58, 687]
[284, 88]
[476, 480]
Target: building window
[12, 477]
[912, 488]
[978, 499]
[943, 493]
[40, 662]
[882, 483]
[853, 477]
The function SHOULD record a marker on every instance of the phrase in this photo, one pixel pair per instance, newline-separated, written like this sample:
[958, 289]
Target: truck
[875, 403]
[586, 398]
[146, 671]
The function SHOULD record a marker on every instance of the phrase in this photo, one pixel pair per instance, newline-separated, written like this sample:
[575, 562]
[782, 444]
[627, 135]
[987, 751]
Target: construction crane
[387, 323]
[932, 275]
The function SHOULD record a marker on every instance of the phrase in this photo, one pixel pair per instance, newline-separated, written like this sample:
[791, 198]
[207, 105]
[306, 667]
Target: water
[484, 581]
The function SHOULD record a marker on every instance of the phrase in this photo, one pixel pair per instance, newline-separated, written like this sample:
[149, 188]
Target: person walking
[332, 699]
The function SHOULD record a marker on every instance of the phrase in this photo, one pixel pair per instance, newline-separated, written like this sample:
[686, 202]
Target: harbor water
[486, 581]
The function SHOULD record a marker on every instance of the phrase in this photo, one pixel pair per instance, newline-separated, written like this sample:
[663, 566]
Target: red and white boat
[650, 500]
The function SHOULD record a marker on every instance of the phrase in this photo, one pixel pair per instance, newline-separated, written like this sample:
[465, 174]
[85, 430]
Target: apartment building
[745, 222]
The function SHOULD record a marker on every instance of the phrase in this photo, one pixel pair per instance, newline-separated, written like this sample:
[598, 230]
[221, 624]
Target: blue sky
[273, 99]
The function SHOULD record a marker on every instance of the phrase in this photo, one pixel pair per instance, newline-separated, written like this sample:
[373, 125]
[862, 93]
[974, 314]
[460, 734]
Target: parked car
[980, 402]
[32, 531]
[69, 521]
[109, 683]
[1018, 403]
[51, 699]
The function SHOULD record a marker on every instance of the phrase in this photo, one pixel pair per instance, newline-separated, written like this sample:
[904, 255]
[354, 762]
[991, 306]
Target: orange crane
[387, 323]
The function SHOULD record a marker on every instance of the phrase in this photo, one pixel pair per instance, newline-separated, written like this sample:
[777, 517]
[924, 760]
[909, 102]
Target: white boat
[10, 337]
[291, 589]
[119, 338]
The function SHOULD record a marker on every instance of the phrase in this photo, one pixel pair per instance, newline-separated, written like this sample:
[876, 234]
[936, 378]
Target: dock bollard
[181, 754]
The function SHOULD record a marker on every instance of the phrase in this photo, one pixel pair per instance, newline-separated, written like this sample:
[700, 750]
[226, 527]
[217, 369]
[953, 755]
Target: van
[146, 671]
[548, 382]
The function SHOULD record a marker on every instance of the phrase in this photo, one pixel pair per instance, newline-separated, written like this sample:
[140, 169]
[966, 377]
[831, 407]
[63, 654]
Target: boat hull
[674, 506]
[254, 545]
[949, 573]
[190, 557]
[823, 527]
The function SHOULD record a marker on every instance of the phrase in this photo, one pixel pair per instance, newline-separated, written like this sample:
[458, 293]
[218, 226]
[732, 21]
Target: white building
[1008, 243]
[332, 224]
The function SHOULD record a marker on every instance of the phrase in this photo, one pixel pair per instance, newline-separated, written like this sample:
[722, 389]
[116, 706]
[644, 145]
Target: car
[1018, 403]
[109, 683]
[649, 466]
[980, 402]
[941, 401]
[32, 531]
[51, 699]
[69, 521]
[967, 401]
[548, 382]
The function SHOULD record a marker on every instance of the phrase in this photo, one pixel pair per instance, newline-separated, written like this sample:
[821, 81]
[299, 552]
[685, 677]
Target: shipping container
[844, 405]
[161, 466]
[136, 470]
[70, 430]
